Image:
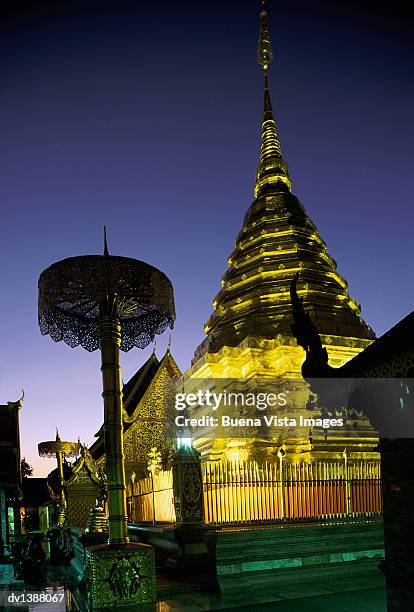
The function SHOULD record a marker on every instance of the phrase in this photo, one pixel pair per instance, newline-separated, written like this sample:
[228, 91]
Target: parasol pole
[62, 499]
[110, 341]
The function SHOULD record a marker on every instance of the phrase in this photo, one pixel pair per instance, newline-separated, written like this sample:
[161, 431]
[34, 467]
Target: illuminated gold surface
[272, 171]
[240, 491]
[245, 491]
[141, 500]
[249, 332]
[279, 358]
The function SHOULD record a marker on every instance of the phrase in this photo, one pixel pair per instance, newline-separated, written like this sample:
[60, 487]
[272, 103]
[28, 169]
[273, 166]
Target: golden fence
[141, 498]
[246, 492]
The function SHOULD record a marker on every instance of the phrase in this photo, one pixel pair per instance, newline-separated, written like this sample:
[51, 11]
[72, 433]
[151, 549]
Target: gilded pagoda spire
[277, 241]
[272, 173]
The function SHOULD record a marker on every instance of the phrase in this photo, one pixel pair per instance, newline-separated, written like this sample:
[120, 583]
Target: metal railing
[237, 492]
[245, 492]
[151, 501]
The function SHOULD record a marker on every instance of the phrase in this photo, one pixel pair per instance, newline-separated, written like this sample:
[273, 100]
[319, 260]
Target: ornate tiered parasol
[110, 303]
[61, 450]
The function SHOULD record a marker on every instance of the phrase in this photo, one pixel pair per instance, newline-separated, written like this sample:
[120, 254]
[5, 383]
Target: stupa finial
[57, 435]
[264, 50]
[272, 174]
[106, 252]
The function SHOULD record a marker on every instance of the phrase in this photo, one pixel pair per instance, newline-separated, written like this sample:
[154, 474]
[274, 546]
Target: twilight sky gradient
[146, 117]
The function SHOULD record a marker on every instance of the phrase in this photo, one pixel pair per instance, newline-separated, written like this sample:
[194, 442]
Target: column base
[120, 576]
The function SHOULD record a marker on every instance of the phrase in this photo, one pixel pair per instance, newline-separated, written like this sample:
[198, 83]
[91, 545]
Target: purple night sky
[147, 118]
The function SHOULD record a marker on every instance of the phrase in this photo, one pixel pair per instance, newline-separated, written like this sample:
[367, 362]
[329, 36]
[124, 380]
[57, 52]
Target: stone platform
[363, 594]
[254, 566]
[292, 557]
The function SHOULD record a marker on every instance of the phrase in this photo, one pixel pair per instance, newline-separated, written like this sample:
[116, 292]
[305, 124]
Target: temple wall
[80, 499]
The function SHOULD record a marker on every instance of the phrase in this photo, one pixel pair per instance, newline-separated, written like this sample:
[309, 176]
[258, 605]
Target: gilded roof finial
[272, 174]
[106, 252]
[57, 435]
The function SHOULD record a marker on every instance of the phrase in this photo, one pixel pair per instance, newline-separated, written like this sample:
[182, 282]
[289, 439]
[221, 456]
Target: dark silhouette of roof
[9, 445]
[395, 342]
[135, 388]
[35, 492]
[132, 392]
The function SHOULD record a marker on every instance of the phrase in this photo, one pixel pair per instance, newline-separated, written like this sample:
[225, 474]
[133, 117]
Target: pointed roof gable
[84, 463]
[135, 388]
[134, 391]
[148, 378]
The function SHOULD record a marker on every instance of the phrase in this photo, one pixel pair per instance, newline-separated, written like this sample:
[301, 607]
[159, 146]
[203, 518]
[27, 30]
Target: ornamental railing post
[187, 487]
[281, 455]
[346, 455]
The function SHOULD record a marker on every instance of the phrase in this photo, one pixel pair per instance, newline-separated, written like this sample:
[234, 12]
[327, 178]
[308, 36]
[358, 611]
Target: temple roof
[83, 464]
[388, 348]
[377, 381]
[139, 383]
[133, 392]
[135, 388]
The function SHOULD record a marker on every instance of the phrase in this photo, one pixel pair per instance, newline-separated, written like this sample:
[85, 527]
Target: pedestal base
[120, 576]
[180, 548]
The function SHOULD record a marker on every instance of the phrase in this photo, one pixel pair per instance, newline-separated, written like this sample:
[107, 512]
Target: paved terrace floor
[188, 596]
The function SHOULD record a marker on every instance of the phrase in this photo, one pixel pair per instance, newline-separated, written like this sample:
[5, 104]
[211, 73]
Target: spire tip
[264, 50]
[272, 174]
[106, 252]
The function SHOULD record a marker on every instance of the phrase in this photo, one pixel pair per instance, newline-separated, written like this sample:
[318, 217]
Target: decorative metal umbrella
[60, 450]
[112, 303]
